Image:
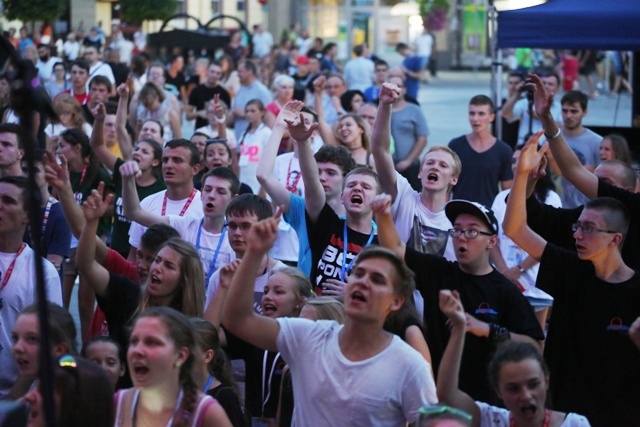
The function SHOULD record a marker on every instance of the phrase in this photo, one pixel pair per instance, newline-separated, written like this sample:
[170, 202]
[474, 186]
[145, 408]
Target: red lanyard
[184, 208]
[545, 423]
[293, 188]
[7, 275]
[78, 193]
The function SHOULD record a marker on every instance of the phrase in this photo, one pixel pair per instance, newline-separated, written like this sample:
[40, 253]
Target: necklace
[134, 412]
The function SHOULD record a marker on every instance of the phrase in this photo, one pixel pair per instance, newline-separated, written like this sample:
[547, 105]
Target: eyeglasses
[216, 141]
[587, 229]
[243, 226]
[468, 234]
[443, 409]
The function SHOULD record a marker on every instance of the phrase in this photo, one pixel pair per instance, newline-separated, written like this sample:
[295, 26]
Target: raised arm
[448, 389]
[515, 220]
[565, 157]
[507, 107]
[130, 200]
[238, 315]
[105, 156]
[387, 234]
[326, 133]
[314, 195]
[274, 188]
[124, 139]
[381, 139]
[174, 121]
[95, 274]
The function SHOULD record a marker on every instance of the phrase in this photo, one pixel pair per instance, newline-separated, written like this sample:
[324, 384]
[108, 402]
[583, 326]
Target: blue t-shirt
[412, 63]
[296, 219]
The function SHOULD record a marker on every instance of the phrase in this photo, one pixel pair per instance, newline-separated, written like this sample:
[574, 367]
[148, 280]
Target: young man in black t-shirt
[497, 310]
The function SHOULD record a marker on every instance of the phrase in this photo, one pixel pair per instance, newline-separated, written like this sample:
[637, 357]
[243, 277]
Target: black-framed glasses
[469, 234]
[588, 230]
[243, 226]
[427, 411]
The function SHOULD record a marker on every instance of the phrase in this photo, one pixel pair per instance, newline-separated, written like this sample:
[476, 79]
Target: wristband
[521, 269]
[554, 136]
[498, 333]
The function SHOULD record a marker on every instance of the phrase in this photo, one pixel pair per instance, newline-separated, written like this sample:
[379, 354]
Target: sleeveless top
[124, 410]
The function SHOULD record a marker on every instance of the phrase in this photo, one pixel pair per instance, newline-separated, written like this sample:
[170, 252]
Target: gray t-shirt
[407, 125]
[255, 90]
[587, 148]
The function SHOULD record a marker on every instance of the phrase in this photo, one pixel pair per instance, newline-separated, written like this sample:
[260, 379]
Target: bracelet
[498, 333]
[521, 269]
[554, 136]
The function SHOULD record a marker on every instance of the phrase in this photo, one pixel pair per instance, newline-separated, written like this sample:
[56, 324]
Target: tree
[143, 10]
[34, 10]
[434, 13]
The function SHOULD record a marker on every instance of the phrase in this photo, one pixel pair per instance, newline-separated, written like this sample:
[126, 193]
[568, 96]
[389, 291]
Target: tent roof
[573, 24]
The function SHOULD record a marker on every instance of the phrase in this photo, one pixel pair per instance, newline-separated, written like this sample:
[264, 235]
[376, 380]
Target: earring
[177, 364]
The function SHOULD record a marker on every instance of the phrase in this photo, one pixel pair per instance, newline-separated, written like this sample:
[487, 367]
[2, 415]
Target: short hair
[44, 45]
[516, 74]
[615, 214]
[100, 80]
[401, 46]
[404, 283]
[16, 129]
[336, 154]
[156, 121]
[381, 62]
[364, 170]
[111, 108]
[548, 72]
[358, 50]
[249, 65]
[81, 63]
[156, 235]
[457, 163]
[23, 184]
[309, 110]
[513, 352]
[199, 134]
[620, 147]
[225, 174]
[58, 64]
[181, 142]
[624, 171]
[483, 100]
[62, 327]
[328, 47]
[250, 204]
[282, 79]
[347, 97]
[575, 97]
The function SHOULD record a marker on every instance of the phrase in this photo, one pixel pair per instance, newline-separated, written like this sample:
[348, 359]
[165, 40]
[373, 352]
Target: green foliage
[136, 11]
[34, 10]
[427, 6]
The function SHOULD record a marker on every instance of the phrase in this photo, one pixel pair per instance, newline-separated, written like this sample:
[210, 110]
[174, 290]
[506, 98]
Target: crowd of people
[302, 258]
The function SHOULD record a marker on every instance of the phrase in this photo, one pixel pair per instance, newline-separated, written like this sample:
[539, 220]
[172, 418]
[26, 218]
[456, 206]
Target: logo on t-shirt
[332, 260]
[485, 309]
[617, 325]
[427, 240]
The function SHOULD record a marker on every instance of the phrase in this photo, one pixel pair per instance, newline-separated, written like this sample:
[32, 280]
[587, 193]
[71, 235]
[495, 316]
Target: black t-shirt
[228, 399]
[554, 224]
[490, 298]
[595, 368]
[201, 94]
[118, 305]
[326, 243]
[254, 359]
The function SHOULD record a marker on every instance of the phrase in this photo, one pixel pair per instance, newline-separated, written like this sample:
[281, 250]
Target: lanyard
[84, 100]
[209, 382]
[184, 208]
[293, 188]
[545, 423]
[78, 193]
[212, 264]
[7, 274]
[45, 218]
[265, 397]
[345, 242]
[135, 407]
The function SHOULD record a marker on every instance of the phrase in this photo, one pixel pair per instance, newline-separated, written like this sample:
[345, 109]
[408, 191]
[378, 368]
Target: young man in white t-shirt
[207, 232]
[180, 163]
[419, 217]
[369, 376]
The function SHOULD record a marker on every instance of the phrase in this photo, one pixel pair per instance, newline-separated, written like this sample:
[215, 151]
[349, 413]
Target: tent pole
[496, 66]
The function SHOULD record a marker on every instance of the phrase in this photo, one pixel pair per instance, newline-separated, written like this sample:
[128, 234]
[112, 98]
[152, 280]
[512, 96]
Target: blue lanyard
[345, 242]
[209, 382]
[212, 264]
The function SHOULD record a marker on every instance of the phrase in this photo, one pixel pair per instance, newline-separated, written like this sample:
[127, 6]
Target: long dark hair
[75, 136]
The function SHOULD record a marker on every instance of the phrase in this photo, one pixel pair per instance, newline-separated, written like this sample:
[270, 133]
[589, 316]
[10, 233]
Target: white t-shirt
[232, 143]
[189, 227]
[45, 69]
[251, 148]
[101, 69]
[491, 416]
[153, 204]
[258, 286]
[521, 111]
[424, 45]
[512, 253]
[19, 293]
[387, 389]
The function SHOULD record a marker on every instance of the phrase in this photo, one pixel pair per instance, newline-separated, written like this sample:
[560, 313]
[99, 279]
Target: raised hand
[530, 156]
[290, 113]
[450, 305]
[381, 204]
[94, 207]
[99, 113]
[262, 235]
[542, 99]
[334, 288]
[130, 169]
[123, 89]
[389, 93]
[318, 85]
[227, 272]
[298, 130]
[56, 175]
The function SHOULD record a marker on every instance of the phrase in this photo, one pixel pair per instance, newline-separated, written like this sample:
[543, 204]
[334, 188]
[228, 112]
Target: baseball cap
[457, 207]
[302, 60]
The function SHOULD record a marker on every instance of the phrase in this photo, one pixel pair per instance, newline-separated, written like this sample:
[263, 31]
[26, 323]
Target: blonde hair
[65, 100]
